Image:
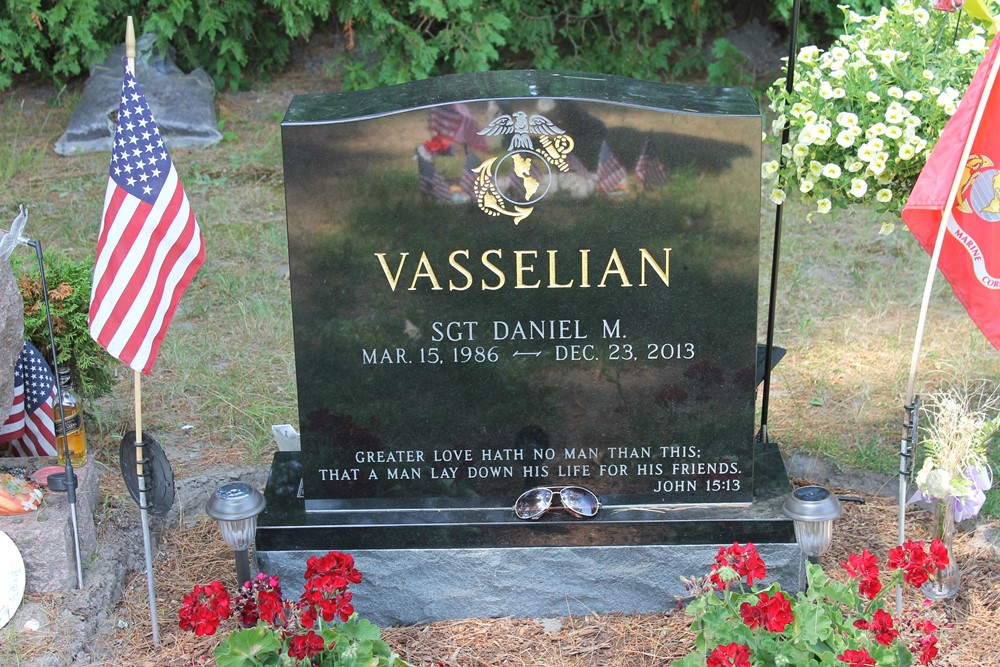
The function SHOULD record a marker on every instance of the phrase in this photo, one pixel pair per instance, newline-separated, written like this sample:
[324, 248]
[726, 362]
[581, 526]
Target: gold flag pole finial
[130, 44]
[129, 38]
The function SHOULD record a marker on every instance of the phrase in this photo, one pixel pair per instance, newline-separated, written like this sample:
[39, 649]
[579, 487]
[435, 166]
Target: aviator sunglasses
[576, 500]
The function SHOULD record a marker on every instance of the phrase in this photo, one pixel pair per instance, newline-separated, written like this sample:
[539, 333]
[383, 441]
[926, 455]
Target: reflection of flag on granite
[149, 246]
[432, 183]
[468, 180]
[29, 429]
[650, 170]
[611, 174]
[970, 251]
[455, 122]
[577, 167]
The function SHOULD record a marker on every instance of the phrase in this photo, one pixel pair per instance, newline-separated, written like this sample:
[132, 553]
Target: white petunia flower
[845, 138]
[824, 205]
[884, 195]
[769, 168]
[847, 119]
[872, 97]
[859, 187]
[831, 170]
[921, 16]
[913, 95]
[777, 196]
[806, 186]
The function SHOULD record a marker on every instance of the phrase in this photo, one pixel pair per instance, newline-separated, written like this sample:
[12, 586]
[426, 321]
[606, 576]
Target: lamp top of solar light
[812, 503]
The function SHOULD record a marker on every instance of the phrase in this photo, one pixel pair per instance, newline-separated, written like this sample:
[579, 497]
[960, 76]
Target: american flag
[650, 170]
[29, 430]
[456, 122]
[149, 247]
[432, 183]
[611, 174]
[468, 180]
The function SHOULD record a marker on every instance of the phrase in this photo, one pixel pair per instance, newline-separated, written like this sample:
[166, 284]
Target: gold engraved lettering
[494, 268]
[662, 271]
[425, 270]
[453, 260]
[520, 268]
[619, 270]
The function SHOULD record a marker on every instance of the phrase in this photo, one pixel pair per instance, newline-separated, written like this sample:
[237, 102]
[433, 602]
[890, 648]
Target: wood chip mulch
[194, 553]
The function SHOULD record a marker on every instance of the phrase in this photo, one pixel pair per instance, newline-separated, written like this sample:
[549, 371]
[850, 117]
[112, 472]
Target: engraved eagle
[521, 126]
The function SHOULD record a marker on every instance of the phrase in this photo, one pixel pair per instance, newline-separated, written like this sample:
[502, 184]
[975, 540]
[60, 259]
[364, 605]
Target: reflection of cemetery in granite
[613, 395]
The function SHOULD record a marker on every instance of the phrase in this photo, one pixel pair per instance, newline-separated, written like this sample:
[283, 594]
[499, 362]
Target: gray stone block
[182, 104]
[45, 537]
[407, 586]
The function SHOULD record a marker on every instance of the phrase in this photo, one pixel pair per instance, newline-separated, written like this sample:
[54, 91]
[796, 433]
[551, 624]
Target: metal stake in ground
[70, 477]
[793, 39]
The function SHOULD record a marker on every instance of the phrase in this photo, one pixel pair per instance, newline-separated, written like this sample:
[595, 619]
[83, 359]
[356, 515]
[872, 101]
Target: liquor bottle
[72, 414]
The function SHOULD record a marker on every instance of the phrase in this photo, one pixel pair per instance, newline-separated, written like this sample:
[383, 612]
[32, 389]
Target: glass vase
[944, 584]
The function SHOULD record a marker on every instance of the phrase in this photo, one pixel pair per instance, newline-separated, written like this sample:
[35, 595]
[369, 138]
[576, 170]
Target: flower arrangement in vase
[955, 474]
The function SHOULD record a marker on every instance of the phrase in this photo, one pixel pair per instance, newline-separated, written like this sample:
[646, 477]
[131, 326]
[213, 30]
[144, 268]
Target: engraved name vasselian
[497, 268]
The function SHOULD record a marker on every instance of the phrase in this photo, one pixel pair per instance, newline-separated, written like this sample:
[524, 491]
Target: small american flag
[650, 170]
[29, 430]
[455, 122]
[149, 247]
[611, 174]
[432, 183]
[468, 180]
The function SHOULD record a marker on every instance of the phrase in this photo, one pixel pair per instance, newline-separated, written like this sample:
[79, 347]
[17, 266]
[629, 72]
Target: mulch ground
[193, 554]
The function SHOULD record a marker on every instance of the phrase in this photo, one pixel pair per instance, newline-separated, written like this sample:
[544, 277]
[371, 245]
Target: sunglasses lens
[532, 504]
[580, 500]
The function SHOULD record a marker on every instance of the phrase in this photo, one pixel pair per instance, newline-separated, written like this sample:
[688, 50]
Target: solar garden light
[813, 509]
[236, 506]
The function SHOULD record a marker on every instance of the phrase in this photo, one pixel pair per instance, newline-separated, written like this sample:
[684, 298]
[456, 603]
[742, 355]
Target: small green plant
[321, 629]
[830, 623]
[68, 285]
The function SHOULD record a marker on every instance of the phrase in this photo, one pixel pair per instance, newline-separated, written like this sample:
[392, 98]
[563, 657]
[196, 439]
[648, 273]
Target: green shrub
[69, 300]
[399, 40]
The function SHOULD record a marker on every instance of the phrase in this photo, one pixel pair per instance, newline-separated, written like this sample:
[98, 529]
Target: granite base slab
[408, 586]
[430, 565]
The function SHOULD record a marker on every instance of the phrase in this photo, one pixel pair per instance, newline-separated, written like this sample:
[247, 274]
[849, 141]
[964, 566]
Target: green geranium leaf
[250, 647]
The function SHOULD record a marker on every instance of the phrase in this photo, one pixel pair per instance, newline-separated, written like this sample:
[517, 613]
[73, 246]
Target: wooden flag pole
[905, 453]
[140, 455]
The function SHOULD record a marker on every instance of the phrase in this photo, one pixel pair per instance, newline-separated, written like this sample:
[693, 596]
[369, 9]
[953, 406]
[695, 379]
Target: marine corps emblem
[511, 184]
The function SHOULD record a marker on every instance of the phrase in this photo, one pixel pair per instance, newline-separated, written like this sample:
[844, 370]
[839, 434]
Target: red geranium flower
[917, 566]
[859, 658]
[305, 646]
[864, 568]
[773, 613]
[881, 626]
[730, 655]
[204, 608]
[939, 554]
[745, 561]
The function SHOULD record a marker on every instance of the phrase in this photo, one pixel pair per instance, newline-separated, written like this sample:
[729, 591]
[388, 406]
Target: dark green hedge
[399, 40]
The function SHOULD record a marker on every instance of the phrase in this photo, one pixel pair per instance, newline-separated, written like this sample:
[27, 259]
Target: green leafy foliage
[68, 285]
[61, 39]
[415, 40]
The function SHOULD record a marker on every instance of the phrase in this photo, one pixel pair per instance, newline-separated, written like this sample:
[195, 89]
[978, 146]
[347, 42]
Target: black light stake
[793, 39]
[236, 506]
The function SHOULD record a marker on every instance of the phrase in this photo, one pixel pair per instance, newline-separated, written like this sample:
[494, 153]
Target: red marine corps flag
[959, 188]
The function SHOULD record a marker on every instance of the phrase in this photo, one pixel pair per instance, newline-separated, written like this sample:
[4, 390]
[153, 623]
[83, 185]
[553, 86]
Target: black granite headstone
[510, 280]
